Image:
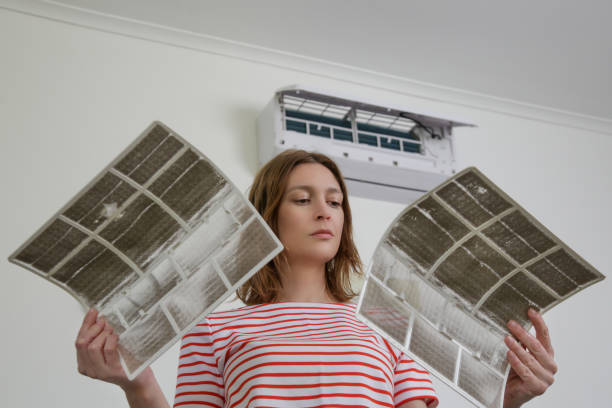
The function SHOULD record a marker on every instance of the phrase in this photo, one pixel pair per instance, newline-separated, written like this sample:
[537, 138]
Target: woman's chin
[313, 257]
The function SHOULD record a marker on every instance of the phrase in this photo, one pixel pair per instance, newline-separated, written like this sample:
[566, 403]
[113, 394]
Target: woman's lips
[325, 234]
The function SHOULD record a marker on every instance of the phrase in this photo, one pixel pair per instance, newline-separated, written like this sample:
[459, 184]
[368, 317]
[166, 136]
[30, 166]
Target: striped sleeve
[199, 382]
[412, 382]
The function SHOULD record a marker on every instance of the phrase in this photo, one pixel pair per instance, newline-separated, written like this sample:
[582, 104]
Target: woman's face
[310, 216]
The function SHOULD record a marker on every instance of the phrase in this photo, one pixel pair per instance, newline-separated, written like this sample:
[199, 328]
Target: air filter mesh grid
[149, 243]
[453, 268]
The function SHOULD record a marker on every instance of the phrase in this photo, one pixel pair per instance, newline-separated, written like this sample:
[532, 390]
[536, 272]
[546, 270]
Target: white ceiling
[556, 54]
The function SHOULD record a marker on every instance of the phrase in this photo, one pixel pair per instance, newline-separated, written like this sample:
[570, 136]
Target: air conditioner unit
[384, 153]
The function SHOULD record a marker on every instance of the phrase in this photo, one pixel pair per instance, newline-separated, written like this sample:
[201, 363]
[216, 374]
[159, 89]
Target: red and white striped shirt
[294, 355]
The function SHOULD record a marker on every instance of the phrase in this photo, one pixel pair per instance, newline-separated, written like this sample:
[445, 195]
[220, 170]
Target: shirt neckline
[309, 303]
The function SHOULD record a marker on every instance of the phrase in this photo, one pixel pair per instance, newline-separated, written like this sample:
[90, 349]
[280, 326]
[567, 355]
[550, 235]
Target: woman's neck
[304, 283]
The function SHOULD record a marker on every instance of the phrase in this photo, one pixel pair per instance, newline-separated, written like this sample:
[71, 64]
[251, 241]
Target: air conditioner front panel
[382, 192]
[384, 175]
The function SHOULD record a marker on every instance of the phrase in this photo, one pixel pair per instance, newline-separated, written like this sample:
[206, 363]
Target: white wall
[71, 98]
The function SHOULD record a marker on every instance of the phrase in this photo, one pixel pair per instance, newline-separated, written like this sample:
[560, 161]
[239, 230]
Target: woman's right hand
[97, 357]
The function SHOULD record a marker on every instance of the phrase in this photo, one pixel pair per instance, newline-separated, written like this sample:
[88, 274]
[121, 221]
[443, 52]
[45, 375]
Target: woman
[297, 342]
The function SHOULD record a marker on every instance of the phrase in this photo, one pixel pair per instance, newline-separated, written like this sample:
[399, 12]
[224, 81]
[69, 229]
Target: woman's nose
[322, 210]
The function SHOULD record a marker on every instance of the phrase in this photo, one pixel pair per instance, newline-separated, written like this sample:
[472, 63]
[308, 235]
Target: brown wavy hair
[266, 195]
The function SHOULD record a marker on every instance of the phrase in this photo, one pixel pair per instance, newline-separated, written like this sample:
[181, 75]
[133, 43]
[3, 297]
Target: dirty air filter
[155, 242]
[453, 268]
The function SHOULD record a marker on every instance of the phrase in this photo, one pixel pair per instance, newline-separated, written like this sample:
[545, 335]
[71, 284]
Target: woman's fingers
[97, 352]
[87, 335]
[90, 344]
[541, 352]
[111, 355]
[94, 350]
[88, 321]
[528, 367]
[89, 329]
[531, 357]
[532, 361]
[541, 329]
[534, 386]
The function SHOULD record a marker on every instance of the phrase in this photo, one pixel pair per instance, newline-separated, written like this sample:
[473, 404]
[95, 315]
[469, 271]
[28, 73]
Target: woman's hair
[266, 195]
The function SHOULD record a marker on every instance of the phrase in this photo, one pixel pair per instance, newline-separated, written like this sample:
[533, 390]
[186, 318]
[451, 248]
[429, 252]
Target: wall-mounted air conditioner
[385, 153]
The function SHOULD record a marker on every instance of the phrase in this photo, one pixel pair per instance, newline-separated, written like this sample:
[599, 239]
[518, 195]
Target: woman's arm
[532, 361]
[97, 357]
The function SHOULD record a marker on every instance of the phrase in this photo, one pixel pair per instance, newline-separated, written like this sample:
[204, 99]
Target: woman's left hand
[532, 362]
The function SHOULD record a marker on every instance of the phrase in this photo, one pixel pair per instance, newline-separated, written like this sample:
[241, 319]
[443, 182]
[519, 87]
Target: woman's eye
[302, 201]
[335, 204]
